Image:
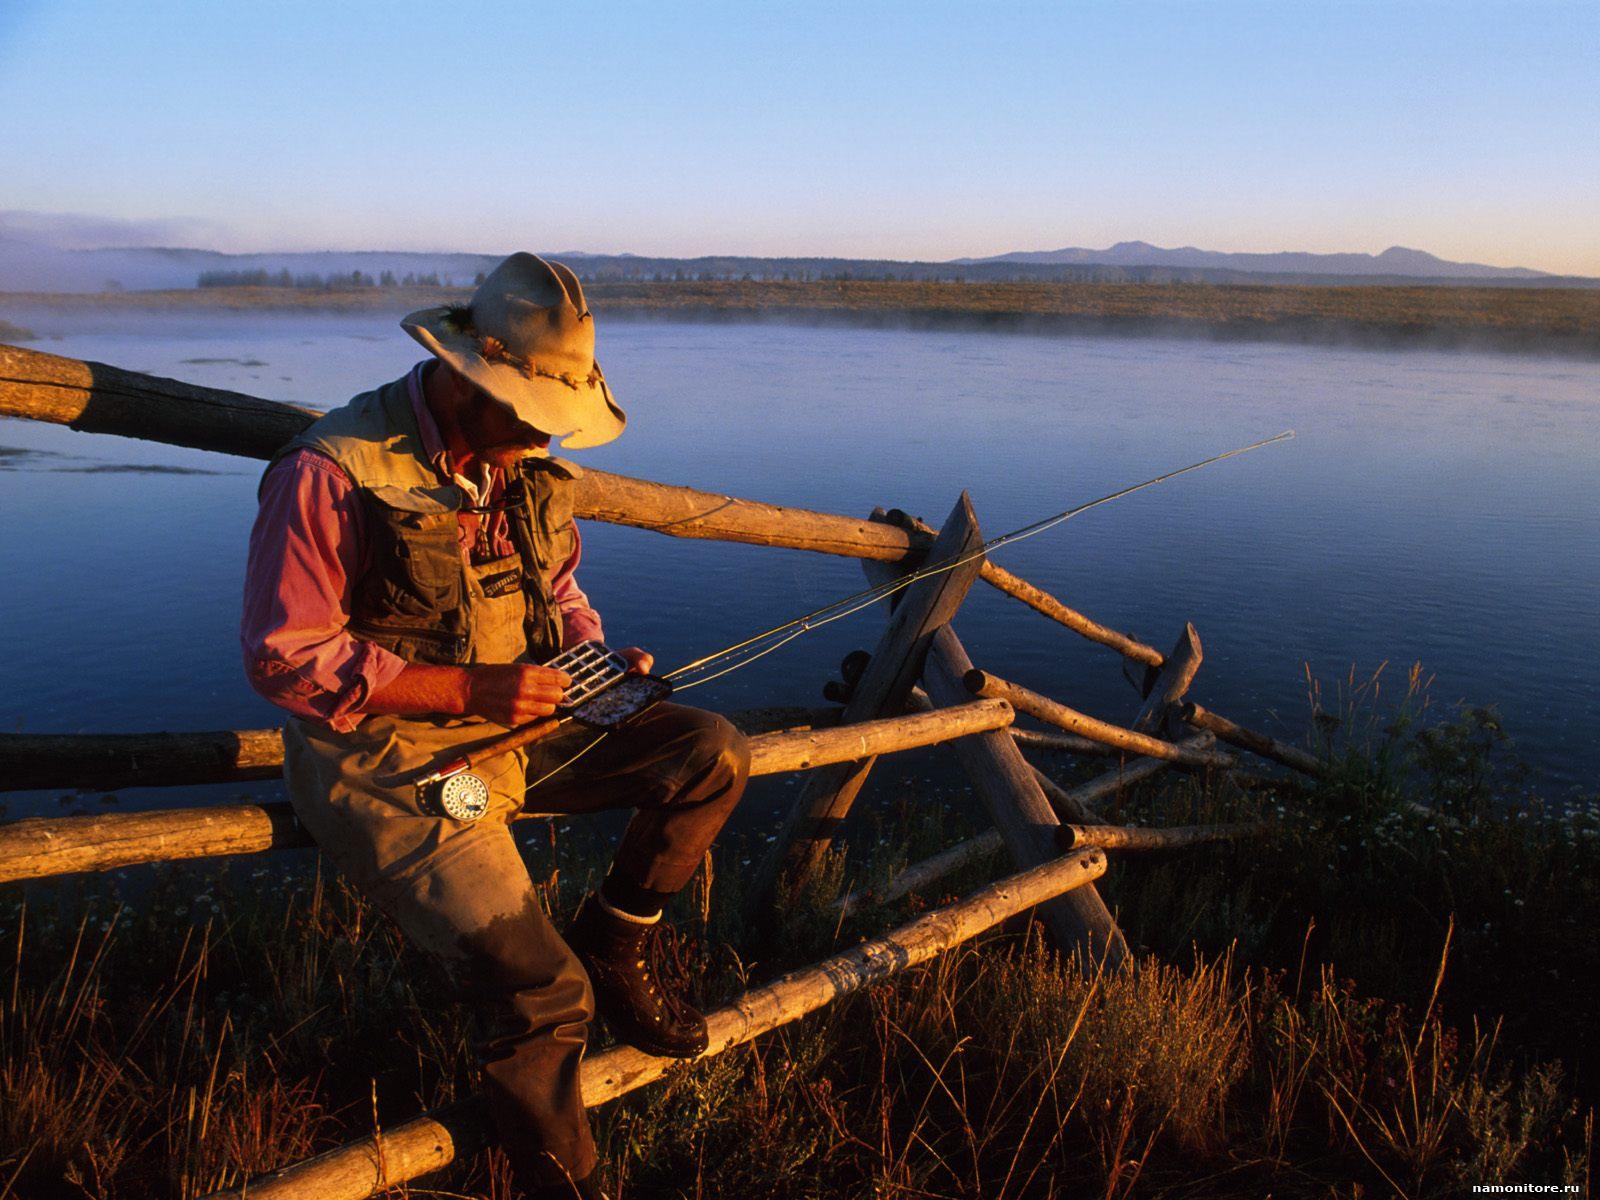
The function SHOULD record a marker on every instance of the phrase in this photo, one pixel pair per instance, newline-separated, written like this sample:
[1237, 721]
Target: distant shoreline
[1518, 320]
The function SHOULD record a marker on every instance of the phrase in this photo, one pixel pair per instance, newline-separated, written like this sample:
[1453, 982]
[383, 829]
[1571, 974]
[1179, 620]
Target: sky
[913, 131]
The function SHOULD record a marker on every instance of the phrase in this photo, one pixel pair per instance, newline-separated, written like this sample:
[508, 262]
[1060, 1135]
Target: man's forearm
[422, 690]
[506, 693]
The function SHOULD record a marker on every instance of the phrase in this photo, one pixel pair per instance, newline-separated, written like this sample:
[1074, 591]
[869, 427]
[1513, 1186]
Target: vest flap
[446, 498]
[563, 467]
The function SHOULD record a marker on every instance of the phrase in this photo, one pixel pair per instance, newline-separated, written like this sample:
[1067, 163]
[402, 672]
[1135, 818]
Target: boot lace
[671, 961]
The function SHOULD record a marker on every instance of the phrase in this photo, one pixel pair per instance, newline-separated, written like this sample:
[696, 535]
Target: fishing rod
[608, 695]
[839, 609]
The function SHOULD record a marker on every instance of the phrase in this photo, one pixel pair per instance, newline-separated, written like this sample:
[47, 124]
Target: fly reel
[458, 794]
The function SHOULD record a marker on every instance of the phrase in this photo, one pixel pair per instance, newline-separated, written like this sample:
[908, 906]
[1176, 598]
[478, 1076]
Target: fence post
[1169, 683]
[1019, 809]
[923, 607]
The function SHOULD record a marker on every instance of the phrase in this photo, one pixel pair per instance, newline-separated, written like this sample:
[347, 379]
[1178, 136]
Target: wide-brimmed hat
[527, 338]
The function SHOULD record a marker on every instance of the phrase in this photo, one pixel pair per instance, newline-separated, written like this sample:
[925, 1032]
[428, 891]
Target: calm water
[1435, 507]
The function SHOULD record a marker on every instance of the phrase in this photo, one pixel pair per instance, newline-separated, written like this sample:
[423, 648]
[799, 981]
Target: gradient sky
[885, 130]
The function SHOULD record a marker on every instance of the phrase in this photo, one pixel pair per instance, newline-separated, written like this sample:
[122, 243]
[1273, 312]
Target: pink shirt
[306, 551]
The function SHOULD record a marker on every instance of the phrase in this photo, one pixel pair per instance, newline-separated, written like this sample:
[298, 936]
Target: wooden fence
[917, 687]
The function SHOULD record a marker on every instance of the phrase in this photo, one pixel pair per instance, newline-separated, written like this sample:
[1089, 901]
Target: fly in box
[603, 694]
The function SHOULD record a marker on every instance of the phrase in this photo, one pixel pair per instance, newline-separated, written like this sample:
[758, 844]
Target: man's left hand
[639, 661]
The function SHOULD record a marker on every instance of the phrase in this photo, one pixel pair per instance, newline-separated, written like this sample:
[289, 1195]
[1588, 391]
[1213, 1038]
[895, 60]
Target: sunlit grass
[1377, 998]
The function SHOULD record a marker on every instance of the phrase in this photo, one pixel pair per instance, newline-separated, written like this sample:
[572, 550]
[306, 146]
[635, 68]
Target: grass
[1565, 320]
[1379, 1001]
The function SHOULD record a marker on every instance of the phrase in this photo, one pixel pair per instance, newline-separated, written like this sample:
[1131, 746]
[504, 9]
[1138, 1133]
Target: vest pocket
[415, 571]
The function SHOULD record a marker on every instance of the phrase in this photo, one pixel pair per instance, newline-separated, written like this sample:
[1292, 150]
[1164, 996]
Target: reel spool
[459, 795]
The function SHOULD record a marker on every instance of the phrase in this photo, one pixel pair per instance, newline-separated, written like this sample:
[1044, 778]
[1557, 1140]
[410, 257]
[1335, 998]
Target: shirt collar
[432, 440]
[433, 447]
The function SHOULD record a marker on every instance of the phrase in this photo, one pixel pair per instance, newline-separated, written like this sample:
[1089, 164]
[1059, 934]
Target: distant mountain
[27, 266]
[1395, 261]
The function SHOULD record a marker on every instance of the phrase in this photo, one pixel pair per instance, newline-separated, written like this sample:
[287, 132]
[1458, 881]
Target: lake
[1435, 507]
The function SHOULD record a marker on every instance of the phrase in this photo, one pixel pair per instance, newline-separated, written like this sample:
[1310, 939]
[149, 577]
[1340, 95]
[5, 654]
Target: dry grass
[1317, 1019]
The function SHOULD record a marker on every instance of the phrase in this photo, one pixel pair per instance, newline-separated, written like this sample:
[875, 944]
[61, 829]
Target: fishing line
[555, 770]
[849, 605]
[742, 654]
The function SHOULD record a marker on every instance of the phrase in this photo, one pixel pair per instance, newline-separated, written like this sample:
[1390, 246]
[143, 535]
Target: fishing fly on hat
[527, 339]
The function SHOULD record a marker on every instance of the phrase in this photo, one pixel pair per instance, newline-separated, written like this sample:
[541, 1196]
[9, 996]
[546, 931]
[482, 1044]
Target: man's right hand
[513, 693]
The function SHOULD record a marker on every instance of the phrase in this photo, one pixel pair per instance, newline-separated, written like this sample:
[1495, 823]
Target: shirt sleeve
[305, 552]
[579, 621]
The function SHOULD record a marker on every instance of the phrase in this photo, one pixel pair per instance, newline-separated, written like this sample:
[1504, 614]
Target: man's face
[494, 432]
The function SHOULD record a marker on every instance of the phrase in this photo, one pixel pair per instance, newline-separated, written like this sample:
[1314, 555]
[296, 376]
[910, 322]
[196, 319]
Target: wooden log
[37, 847]
[883, 687]
[1032, 738]
[981, 683]
[111, 761]
[1043, 602]
[1060, 800]
[1249, 739]
[97, 398]
[116, 760]
[1020, 810]
[1128, 837]
[427, 1143]
[1169, 683]
[1067, 743]
[1107, 837]
[803, 750]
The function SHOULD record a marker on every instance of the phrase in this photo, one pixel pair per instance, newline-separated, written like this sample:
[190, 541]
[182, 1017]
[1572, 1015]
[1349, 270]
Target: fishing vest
[416, 594]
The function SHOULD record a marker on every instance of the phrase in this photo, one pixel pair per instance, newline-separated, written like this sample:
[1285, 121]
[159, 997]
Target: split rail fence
[916, 688]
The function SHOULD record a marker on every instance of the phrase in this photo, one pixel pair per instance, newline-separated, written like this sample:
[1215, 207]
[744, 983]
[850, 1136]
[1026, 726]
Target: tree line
[331, 281]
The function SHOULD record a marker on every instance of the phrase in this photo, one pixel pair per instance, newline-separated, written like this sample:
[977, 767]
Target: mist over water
[1438, 507]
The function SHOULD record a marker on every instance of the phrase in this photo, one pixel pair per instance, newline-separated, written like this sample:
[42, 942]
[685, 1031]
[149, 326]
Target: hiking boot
[641, 983]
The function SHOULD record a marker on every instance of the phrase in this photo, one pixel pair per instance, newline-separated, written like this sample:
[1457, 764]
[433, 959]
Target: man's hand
[639, 661]
[513, 693]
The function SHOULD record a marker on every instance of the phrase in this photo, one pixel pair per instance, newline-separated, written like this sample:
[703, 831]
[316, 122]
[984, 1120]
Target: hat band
[493, 350]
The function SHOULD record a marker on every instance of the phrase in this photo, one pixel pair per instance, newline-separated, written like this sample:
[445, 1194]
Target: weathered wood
[97, 398]
[883, 687]
[802, 750]
[1080, 799]
[1129, 837]
[427, 1143]
[1059, 799]
[110, 761]
[1043, 602]
[1249, 739]
[975, 849]
[1024, 700]
[1019, 809]
[1067, 743]
[117, 760]
[1169, 684]
[37, 847]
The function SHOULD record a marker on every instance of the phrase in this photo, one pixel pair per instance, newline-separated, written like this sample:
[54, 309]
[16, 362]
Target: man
[411, 568]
